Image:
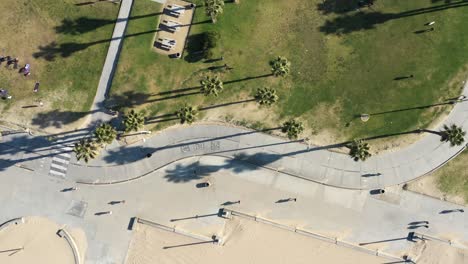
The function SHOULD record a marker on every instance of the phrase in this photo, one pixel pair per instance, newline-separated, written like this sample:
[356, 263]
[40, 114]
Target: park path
[98, 111]
[319, 164]
[118, 163]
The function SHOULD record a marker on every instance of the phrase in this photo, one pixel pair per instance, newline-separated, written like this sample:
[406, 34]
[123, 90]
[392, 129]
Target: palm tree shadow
[368, 20]
[337, 6]
[132, 98]
[124, 155]
[84, 25]
[239, 163]
[50, 51]
[57, 118]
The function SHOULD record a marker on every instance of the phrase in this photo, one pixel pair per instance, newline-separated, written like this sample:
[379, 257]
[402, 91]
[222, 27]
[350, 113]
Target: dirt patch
[257, 117]
[428, 185]
[431, 252]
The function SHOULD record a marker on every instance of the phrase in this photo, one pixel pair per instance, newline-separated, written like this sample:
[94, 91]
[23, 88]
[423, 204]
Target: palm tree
[187, 114]
[133, 121]
[359, 150]
[105, 134]
[86, 149]
[213, 8]
[292, 128]
[453, 134]
[211, 85]
[266, 96]
[280, 66]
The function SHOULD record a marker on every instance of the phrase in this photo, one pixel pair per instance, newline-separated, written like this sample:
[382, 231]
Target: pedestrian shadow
[367, 175]
[283, 200]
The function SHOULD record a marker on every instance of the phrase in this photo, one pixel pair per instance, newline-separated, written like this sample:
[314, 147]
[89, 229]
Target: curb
[63, 233]
[12, 221]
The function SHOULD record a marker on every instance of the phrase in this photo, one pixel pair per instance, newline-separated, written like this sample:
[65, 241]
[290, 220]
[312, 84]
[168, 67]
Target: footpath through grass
[65, 42]
[344, 63]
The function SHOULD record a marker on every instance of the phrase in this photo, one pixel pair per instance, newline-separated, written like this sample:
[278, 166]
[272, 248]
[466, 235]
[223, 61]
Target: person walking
[36, 87]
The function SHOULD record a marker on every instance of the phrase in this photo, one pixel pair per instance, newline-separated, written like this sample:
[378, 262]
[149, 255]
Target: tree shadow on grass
[131, 99]
[50, 51]
[83, 25]
[115, 2]
[194, 48]
[57, 118]
[421, 107]
[368, 20]
[337, 6]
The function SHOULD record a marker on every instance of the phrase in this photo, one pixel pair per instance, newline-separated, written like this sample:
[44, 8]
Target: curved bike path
[119, 164]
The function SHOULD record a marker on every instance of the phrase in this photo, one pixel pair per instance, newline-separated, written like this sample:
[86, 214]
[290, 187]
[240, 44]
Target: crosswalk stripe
[65, 156]
[58, 166]
[60, 160]
[57, 173]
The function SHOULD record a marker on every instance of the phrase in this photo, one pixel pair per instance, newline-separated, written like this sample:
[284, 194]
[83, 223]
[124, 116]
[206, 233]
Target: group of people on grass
[14, 62]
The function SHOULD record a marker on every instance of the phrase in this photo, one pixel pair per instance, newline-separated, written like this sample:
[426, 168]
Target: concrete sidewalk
[169, 196]
[118, 163]
[98, 114]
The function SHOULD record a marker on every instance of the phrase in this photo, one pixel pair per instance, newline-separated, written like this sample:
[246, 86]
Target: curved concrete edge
[12, 221]
[61, 232]
[190, 157]
[71, 242]
[304, 169]
[313, 163]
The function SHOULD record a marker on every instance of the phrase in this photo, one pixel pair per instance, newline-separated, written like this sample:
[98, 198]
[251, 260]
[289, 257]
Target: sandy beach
[244, 241]
[432, 252]
[34, 241]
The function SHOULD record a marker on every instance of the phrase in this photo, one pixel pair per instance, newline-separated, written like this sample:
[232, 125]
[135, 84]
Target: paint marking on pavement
[59, 164]
[60, 160]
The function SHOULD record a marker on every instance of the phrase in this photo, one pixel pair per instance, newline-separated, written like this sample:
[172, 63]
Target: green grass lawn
[66, 44]
[343, 64]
